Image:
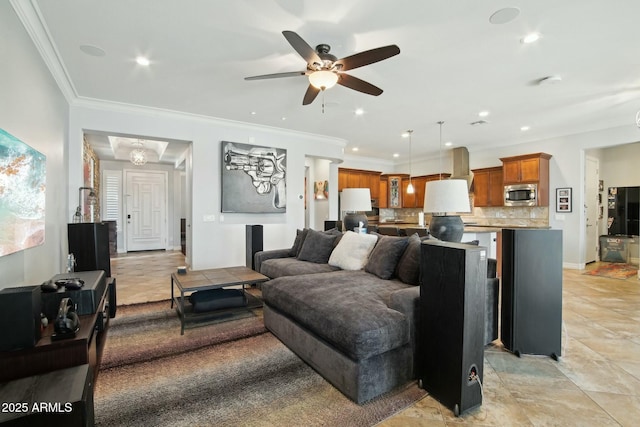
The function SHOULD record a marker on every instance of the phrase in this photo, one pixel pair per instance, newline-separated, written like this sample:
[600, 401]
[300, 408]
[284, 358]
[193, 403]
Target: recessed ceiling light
[448, 144]
[142, 60]
[253, 113]
[483, 113]
[505, 15]
[92, 50]
[405, 135]
[530, 38]
[354, 149]
[396, 155]
[524, 128]
[359, 112]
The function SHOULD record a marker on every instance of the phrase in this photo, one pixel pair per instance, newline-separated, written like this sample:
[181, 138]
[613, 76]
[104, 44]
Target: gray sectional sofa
[347, 305]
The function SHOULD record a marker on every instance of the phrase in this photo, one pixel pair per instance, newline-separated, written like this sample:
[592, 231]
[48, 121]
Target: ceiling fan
[325, 70]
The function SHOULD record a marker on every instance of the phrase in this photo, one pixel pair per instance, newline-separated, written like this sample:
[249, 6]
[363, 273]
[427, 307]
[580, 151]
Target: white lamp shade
[355, 200]
[449, 195]
[323, 79]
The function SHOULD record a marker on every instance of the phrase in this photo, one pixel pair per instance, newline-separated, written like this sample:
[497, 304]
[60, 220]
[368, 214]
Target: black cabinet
[451, 328]
[89, 244]
[532, 291]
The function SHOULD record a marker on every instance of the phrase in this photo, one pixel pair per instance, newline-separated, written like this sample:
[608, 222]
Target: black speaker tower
[254, 243]
[451, 329]
[19, 317]
[89, 244]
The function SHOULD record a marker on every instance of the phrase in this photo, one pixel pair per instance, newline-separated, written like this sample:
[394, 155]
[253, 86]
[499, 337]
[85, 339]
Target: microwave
[521, 195]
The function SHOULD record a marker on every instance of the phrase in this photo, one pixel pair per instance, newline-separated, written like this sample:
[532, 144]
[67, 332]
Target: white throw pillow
[352, 252]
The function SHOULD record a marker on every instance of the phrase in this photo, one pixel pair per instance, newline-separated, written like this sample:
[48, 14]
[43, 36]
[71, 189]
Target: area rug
[614, 270]
[243, 376]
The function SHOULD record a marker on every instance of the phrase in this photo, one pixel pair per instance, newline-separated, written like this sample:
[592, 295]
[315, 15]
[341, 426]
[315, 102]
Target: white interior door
[591, 209]
[146, 210]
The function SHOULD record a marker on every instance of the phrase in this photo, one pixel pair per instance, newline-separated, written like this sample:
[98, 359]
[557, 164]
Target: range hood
[460, 158]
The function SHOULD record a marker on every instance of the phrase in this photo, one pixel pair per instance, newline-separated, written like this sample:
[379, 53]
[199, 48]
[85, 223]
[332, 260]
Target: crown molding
[31, 18]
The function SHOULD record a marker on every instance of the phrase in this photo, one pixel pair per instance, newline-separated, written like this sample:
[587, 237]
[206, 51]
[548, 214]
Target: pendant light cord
[440, 123]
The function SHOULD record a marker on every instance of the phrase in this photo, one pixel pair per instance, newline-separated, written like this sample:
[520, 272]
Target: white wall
[222, 242]
[33, 109]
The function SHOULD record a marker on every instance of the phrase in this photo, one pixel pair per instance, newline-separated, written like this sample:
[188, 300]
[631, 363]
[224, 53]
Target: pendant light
[410, 189]
[444, 199]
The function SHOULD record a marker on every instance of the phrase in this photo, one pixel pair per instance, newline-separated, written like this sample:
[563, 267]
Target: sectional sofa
[347, 304]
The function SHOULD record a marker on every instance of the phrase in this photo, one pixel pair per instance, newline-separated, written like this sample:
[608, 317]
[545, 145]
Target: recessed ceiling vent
[479, 122]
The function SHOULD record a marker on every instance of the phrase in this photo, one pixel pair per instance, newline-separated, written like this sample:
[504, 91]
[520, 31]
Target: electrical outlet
[209, 218]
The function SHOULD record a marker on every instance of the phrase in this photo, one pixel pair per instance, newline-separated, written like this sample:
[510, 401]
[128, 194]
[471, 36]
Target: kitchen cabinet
[395, 192]
[488, 187]
[383, 199]
[356, 178]
[528, 169]
[415, 200]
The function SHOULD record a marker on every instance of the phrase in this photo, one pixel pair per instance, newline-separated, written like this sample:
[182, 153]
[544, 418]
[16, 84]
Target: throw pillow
[408, 269]
[297, 244]
[317, 247]
[385, 256]
[353, 251]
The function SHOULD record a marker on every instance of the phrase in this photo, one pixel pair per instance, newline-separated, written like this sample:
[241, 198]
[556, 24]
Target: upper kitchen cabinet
[488, 187]
[528, 168]
[356, 178]
[383, 200]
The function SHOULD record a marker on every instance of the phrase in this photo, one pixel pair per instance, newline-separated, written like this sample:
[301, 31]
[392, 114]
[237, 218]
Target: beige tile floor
[596, 382]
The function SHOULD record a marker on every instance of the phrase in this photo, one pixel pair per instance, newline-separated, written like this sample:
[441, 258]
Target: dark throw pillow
[385, 255]
[297, 244]
[408, 269]
[317, 247]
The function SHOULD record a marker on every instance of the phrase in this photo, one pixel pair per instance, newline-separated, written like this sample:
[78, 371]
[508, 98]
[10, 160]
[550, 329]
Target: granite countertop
[468, 228]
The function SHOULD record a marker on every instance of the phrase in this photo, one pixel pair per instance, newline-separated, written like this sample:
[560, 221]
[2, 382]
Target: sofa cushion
[385, 256]
[317, 247]
[290, 266]
[408, 269]
[348, 309]
[353, 251]
[297, 243]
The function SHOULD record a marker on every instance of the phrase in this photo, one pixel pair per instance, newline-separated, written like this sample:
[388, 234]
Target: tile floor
[596, 382]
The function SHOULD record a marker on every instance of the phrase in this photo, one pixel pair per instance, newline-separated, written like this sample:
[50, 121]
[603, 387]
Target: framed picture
[253, 178]
[563, 199]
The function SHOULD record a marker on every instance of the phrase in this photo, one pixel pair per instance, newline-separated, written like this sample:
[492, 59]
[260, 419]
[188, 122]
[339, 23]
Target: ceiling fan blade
[358, 84]
[310, 95]
[302, 47]
[277, 75]
[368, 57]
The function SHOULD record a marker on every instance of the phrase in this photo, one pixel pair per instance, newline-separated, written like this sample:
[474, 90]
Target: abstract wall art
[253, 178]
[22, 195]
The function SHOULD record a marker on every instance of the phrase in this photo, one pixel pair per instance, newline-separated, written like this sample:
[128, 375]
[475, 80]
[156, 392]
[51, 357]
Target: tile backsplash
[495, 216]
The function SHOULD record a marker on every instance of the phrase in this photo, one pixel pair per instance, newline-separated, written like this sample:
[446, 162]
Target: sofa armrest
[261, 256]
[407, 302]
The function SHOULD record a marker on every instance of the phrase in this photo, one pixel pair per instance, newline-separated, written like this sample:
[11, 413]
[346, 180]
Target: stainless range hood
[460, 158]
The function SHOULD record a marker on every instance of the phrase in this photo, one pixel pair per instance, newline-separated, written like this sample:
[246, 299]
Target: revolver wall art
[253, 178]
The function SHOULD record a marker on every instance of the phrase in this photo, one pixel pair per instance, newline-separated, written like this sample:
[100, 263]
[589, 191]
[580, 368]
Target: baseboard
[574, 266]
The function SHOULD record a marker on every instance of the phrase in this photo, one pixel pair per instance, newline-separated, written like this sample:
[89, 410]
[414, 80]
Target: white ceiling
[453, 64]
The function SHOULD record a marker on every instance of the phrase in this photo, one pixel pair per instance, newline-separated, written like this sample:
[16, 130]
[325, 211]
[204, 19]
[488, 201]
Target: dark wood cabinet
[383, 199]
[50, 355]
[488, 187]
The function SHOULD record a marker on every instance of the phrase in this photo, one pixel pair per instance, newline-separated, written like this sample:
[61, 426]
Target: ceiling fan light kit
[324, 70]
[323, 79]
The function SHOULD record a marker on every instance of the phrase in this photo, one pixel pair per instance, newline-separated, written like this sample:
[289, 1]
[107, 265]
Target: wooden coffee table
[215, 278]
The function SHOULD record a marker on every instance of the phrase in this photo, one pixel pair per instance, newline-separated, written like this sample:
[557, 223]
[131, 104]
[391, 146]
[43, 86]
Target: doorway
[145, 210]
[591, 206]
